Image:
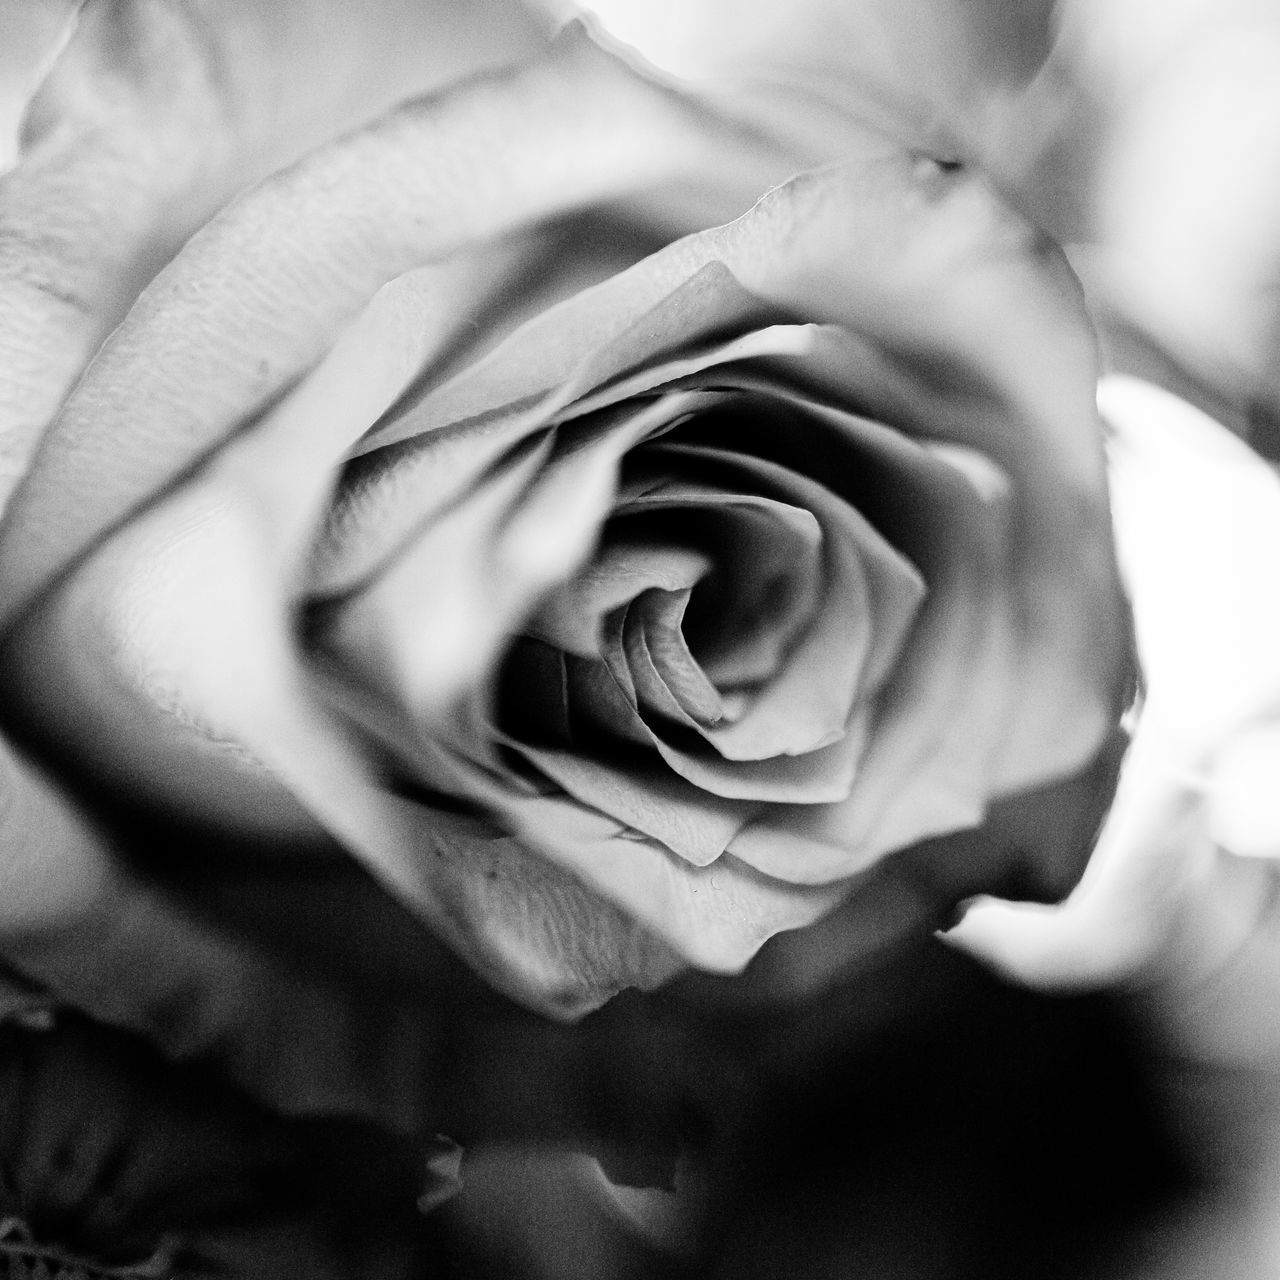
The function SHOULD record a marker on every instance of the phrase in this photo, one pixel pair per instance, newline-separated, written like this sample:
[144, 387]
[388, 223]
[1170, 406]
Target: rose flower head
[645, 636]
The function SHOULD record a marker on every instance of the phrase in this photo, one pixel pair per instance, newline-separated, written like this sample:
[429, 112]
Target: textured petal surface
[151, 118]
[257, 295]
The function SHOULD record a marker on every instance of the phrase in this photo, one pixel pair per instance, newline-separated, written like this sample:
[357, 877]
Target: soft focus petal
[1152, 139]
[926, 72]
[1243, 814]
[1198, 522]
[168, 718]
[34, 35]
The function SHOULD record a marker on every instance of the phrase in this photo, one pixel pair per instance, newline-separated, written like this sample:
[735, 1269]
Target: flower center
[738, 617]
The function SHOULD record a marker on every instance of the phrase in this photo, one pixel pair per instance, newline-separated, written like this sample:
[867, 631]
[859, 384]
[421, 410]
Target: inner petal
[764, 576]
[661, 664]
[626, 567]
[862, 595]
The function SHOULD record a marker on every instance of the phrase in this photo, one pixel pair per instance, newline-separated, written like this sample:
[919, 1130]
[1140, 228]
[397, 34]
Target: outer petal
[1153, 141]
[257, 295]
[153, 116]
[926, 72]
[1197, 525]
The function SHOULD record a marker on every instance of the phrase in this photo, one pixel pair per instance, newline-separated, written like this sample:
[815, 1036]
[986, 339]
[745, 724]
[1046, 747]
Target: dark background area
[929, 1122]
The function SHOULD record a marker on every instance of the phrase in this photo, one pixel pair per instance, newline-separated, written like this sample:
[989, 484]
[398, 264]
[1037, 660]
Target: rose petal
[140, 681]
[927, 73]
[1026, 405]
[867, 605]
[654, 643]
[431, 625]
[573, 348]
[393, 494]
[428, 627]
[151, 119]
[544, 936]
[605, 695]
[624, 567]
[715, 917]
[443, 443]
[766, 554]
[694, 824]
[297, 257]
[939, 723]
[414, 466]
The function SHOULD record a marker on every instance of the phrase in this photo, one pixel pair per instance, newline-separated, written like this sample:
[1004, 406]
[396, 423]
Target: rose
[267, 1013]
[894, 304]
[258, 959]
[992, 659]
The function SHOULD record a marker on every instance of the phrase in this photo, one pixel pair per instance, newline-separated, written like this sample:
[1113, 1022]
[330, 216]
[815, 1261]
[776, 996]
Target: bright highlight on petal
[1197, 518]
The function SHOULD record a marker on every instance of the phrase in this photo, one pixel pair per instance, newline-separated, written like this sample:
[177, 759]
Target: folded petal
[151, 118]
[257, 295]
[431, 624]
[863, 611]
[693, 823]
[937, 728]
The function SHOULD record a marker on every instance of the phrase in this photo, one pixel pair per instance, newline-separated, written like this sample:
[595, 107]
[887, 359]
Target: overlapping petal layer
[792, 595]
